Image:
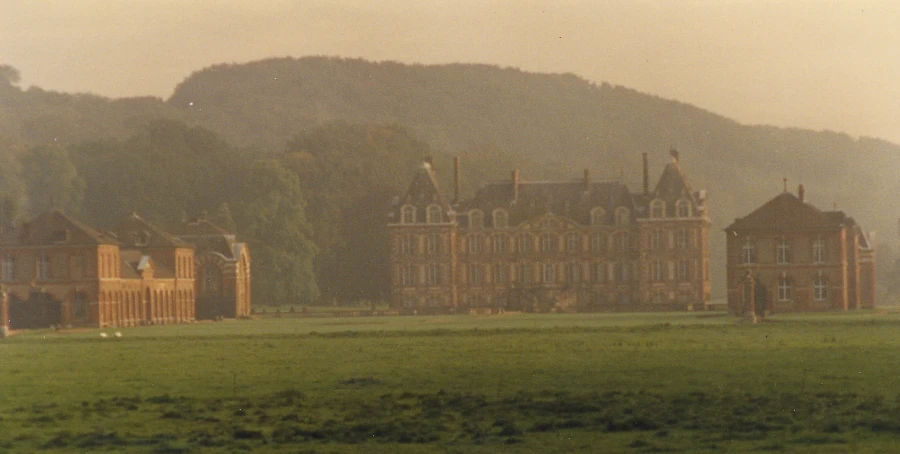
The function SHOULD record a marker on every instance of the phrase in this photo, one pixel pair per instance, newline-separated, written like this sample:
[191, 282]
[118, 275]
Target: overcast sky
[823, 64]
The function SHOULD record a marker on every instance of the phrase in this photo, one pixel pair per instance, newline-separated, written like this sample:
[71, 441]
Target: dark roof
[55, 227]
[134, 231]
[787, 212]
[570, 199]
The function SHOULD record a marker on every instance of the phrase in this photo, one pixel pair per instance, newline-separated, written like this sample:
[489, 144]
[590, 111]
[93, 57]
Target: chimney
[646, 176]
[455, 180]
[800, 193]
[515, 184]
[587, 179]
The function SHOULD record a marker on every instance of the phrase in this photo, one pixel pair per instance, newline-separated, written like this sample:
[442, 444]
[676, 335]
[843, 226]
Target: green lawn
[686, 382]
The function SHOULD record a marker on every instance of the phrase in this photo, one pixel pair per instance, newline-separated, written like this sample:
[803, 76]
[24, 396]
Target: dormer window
[408, 214]
[476, 219]
[598, 216]
[623, 216]
[683, 208]
[501, 219]
[657, 209]
[433, 215]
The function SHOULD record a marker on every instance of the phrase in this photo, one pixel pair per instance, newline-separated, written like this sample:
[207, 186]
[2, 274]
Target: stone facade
[577, 245]
[799, 258]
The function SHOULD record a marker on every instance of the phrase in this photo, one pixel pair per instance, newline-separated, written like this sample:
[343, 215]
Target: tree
[51, 180]
[269, 213]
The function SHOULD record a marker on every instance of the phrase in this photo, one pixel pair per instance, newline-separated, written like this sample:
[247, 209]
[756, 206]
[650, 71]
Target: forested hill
[551, 125]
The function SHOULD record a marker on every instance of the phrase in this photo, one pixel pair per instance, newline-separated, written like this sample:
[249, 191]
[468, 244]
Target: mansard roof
[55, 227]
[787, 212]
[134, 231]
[570, 199]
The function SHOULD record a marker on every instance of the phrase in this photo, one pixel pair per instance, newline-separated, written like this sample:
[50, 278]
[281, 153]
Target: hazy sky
[823, 64]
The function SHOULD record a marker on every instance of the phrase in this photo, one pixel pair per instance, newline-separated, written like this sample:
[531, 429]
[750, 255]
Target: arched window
[657, 209]
[598, 216]
[623, 216]
[501, 219]
[408, 214]
[476, 219]
[748, 252]
[433, 215]
[820, 288]
[683, 208]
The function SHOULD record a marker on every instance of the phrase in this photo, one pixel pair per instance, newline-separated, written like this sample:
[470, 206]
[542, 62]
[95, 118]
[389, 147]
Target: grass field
[687, 382]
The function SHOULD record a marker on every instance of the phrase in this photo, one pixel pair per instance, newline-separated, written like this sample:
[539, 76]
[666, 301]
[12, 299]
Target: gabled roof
[134, 231]
[56, 227]
[787, 212]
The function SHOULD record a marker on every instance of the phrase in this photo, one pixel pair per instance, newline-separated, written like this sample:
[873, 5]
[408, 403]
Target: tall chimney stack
[587, 179]
[455, 180]
[515, 184]
[646, 176]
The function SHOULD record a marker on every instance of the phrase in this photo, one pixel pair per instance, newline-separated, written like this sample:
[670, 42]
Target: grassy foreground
[520, 383]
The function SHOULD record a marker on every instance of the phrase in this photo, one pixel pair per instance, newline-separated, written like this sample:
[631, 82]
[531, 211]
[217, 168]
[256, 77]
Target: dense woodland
[301, 157]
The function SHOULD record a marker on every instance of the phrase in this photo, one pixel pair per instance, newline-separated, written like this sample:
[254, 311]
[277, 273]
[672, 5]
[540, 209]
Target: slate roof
[208, 237]
[787, 212]
[55, 227]
[569, 199]
[134, 231]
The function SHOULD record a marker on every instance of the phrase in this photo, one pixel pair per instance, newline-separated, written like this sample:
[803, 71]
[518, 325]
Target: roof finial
[674, 154]
[785, 183]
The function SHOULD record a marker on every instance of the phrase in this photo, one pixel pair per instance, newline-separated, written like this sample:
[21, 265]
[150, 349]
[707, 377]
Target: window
[784, 289]
[548, 273]
[683, 209]
[501, 219]
[623, 216]
[526, 273]
[748, 252]
[524, 243]
[573, 272]
[408, 214]
[820, 290]
[684, 270]
[818, 251]
[622, 272]
[476, 219]
[8, 266]
[500, 274]
[598, 216]
[433, 274]
[621, 239]
[598, 272]
[598, 242]
[409, 275]
[657, 209]
[499, 242]
[433, 244]
[656, 271]
[573, 242]
[658, 240]
[43, 271]
[682, 239]
[433, 215]
[476, 274]
[783, 251]
[408, 244]
[476, 244]
[548, 242]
